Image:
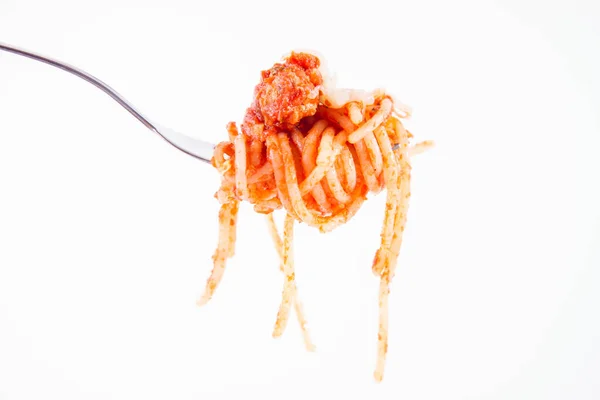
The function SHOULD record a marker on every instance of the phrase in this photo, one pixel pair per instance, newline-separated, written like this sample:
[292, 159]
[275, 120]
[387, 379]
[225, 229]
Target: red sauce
[286, 93]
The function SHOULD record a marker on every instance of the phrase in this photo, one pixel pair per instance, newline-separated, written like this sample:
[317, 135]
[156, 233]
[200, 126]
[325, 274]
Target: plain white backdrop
[106, 232]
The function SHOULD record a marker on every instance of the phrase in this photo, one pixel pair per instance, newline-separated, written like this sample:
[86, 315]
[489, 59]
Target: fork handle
[194, 147]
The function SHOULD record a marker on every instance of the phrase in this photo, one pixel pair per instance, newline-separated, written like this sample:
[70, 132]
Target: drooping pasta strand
[278, 243]
[225, 248]
[289, 283]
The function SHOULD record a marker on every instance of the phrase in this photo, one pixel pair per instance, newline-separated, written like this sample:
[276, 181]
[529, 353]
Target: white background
[106, 232]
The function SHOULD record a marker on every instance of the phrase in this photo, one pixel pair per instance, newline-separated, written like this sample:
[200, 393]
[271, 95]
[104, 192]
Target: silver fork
[194, 147]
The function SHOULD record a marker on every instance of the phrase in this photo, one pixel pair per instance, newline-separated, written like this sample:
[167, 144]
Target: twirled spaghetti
[305, 149]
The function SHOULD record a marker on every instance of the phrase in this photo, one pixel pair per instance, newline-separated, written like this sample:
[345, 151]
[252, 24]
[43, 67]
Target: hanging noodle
[298, 153]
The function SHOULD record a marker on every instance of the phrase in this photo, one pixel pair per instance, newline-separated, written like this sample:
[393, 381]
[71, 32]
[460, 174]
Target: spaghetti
[316, 154]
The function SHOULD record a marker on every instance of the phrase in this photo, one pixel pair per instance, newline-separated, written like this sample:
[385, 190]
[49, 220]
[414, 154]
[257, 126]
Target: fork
[193, 147]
